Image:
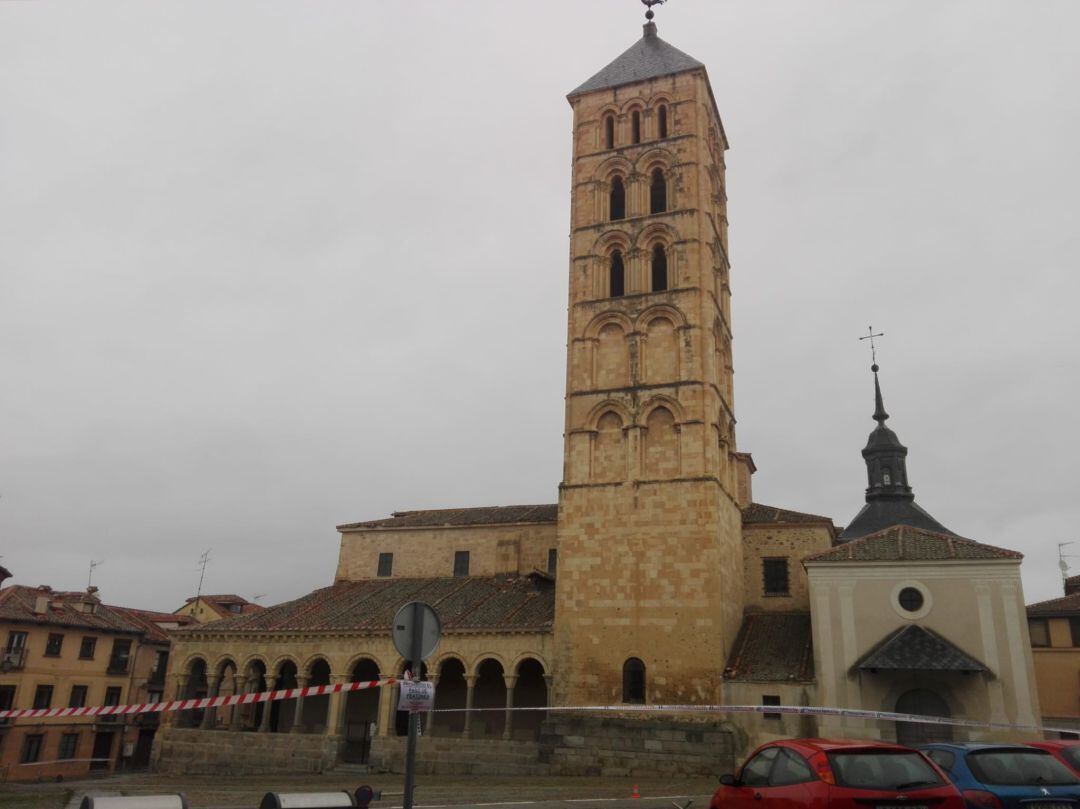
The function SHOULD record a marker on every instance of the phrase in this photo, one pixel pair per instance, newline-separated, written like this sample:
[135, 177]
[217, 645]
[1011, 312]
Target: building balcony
[13, 659]
[118, 666]
[157, 677]
[147, 720]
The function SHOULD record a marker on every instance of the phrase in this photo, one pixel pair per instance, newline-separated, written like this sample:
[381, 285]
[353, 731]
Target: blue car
[1006, 776]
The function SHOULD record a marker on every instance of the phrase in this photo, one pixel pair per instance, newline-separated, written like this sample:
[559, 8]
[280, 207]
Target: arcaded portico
[494, 655]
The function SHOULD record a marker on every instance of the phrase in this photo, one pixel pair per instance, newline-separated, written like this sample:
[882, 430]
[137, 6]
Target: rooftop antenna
[1062, 556]
[870, 335]
[649, 4]
[90, 575]
[204, 560]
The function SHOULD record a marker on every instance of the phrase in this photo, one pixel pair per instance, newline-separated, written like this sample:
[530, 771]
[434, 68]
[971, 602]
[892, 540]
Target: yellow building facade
[1054, 628]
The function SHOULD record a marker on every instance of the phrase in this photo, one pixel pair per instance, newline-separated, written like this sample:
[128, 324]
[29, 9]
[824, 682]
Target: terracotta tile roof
[916, 648]
[772, 647]
[151, 622]
[220, 604]
[471, 604]
[759, 513]
[17, 603]
[1064, 607]
[904, 543]
[489, 515]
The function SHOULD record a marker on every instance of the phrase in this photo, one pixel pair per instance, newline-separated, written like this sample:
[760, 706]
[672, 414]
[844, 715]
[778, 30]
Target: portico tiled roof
[1064, 607]
[470, 604]
[486, 515]
[760, 513]
[916, 648]
[772, 647]
[905, 543]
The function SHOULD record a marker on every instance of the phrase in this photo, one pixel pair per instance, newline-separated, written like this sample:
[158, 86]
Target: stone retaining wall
[190, 751]
[585, 745]
[457, 756]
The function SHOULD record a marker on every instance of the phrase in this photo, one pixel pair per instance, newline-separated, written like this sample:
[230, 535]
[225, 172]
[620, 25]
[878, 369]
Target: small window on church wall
[617, 280]
[775, 574]
[617, 199]
[633, 681]
[659, 269]
[658, 192]
[635, 126]
[1039, 630]
[661, 118]
[769, 700]
[386, 564]
[910, 599]
[609, 132]
[461, 563]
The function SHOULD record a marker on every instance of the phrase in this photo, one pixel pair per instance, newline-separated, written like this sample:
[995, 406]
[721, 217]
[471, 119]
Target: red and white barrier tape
[193, 704]
[321, 690]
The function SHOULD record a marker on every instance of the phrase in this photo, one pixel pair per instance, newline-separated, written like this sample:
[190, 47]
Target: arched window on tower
[658, 192]
[633, 681]
[609, 131]
[659, 269]
[661, 119]
[635, 127]
[617, 276]
[618, 199]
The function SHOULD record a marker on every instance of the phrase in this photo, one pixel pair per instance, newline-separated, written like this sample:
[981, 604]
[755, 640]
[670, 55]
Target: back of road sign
[404, 627]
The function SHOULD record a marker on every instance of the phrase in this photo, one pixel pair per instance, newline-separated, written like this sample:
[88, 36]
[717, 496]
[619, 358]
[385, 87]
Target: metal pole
[414, 718]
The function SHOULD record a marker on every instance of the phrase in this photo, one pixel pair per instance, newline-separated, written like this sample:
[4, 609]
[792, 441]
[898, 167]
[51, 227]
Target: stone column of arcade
[240, 682]
[212, 684]
[264, 726]
[336, 707]
[174, 717]
[470, 690]
[429, 718]
[298, 709]
[386, 709]
[510, 680]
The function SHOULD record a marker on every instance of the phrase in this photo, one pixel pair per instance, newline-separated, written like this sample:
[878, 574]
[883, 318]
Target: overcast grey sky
[268, 267]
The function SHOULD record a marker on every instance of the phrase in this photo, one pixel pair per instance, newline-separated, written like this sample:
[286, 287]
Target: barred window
[775, 574]
[87, 648]
[78, 696]
[43, 697]
[68, 743]
[32, 744]
[1040, 631]
[553, 561]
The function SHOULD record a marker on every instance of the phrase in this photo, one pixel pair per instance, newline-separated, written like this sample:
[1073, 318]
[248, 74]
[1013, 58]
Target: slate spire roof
[648, 58]
[889, 498]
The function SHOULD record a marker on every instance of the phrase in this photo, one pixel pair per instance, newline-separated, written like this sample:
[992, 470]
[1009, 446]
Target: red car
[1064, 750]
[836, 774]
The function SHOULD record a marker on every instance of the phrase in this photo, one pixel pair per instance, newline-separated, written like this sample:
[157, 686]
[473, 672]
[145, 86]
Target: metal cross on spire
[873, 349]
[649, 4]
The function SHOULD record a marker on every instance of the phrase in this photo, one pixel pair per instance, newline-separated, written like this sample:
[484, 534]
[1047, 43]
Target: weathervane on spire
[870, 336]
[650, 3]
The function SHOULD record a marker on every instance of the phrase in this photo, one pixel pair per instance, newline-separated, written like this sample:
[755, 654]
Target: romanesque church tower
[649, 592]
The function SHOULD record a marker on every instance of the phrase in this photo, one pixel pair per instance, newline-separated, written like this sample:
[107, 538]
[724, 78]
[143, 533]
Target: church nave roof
[906, 543]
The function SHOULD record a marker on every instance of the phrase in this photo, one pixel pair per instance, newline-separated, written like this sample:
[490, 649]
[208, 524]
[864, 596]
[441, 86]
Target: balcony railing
[118, 665]
[12, 659]
[157, 677]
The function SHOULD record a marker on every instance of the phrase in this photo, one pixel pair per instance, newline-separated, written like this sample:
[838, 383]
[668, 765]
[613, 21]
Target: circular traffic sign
[416, 616]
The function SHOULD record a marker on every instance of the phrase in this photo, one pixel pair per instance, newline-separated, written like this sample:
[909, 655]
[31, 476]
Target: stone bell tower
[649, 592]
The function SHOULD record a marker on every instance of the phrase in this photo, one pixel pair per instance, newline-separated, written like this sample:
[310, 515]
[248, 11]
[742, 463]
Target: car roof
[969, 747]
[1055, 744]
[832, 745]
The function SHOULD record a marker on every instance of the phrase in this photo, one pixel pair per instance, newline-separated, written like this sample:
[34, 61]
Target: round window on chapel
[910, 599]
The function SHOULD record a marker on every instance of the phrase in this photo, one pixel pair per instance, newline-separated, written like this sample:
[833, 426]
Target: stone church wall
[429, 552]
[187, 751]
[793, 542]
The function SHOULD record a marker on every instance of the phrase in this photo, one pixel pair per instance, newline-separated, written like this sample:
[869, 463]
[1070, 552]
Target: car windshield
[1019, 768]
[1072, 754]
[885, 769]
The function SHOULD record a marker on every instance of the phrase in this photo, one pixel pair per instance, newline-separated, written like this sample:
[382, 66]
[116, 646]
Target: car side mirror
[728, 780]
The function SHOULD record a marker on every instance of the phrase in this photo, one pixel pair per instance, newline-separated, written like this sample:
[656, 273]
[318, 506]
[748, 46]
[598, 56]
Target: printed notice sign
[416, 696]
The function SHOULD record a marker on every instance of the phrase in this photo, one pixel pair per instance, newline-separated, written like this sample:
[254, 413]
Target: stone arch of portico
[280, 661]
[438, 663]
[356, 660]
[306, 669]
[528, 690]
[250, 661]
[222, 663]
[192, 660]
[526, 656]
[479, 660]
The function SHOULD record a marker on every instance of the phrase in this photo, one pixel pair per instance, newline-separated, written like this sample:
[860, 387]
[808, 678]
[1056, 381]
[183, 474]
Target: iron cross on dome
[870, 336]
[649, 4]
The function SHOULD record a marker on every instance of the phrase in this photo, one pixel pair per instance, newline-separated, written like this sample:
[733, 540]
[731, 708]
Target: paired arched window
[609, 132]
[658, 192]
[635, 127]
[659, 268]
[617, 276]
[661, 121]
[633, 681]
[617, 199]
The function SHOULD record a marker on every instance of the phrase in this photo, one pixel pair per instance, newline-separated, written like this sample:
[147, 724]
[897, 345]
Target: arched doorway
[451, 694]
[924, 702]
[530, 691]
[361, 713]
[315, 717]
[490, 693]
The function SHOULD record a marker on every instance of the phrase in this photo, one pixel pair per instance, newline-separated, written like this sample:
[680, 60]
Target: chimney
[4, 574]
[42, 599]
[1072, 585]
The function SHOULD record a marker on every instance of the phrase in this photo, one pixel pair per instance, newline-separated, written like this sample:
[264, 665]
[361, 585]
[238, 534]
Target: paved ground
[432, 791]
